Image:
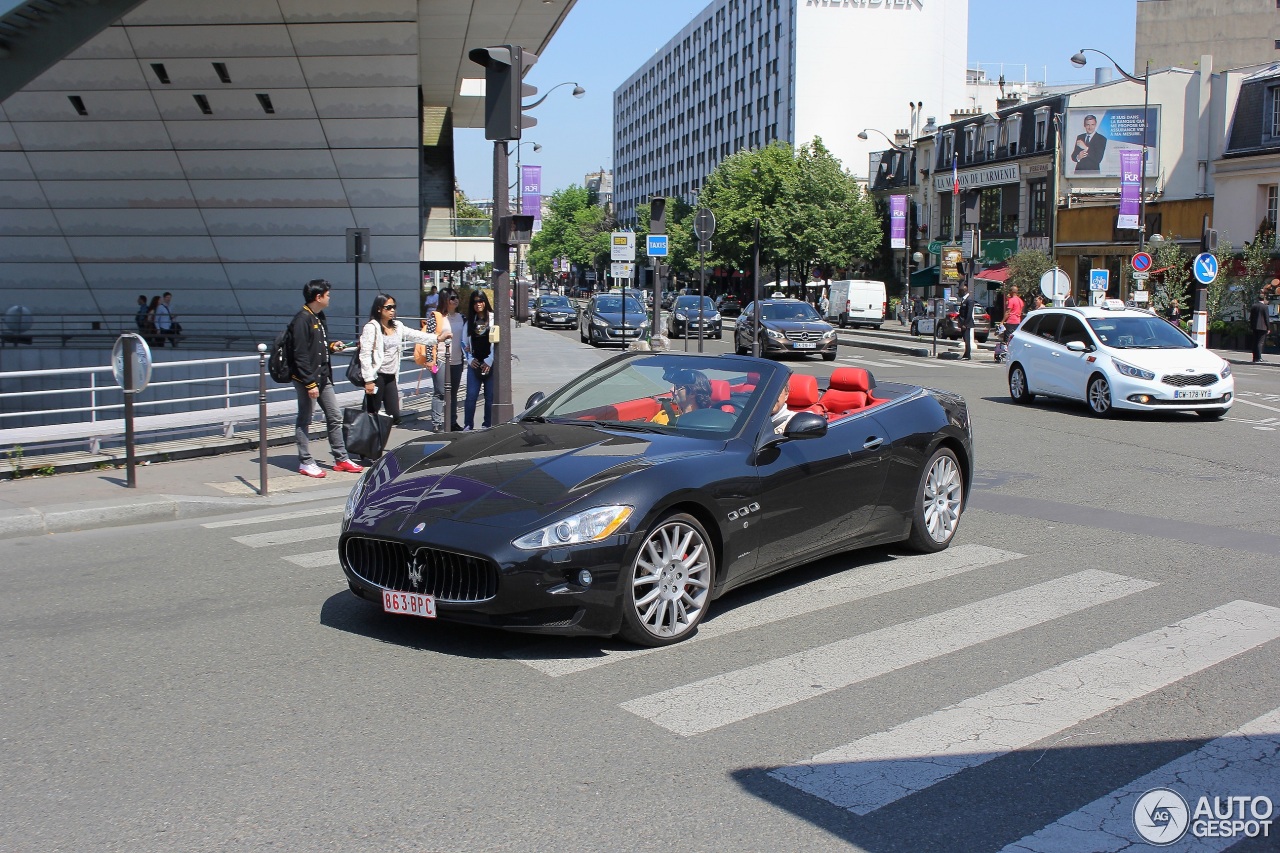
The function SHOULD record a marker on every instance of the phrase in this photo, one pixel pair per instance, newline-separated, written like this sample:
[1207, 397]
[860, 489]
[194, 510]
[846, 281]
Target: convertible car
[628, 500]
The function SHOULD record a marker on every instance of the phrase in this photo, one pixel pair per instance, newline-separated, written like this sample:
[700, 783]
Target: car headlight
[596, 321]
[776, 335]
[1226, 370]
[1130, 370]
[589, 526]
[829, 334]
[357, 494]
[715, 315]
[680, 315]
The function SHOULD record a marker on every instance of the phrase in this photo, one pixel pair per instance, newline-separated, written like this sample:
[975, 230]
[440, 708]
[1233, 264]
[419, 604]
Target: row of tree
[812, 215]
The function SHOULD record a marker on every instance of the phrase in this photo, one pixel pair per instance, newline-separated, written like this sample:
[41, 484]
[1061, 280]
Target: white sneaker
[311, 469]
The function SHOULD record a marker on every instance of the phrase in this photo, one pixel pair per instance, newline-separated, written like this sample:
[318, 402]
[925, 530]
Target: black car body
[479, 521]
[684, 319]
[729, 305]
[554, 312]
[790, 326]
[608, 319]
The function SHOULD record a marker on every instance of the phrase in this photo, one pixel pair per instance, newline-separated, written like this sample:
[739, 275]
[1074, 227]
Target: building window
[989, 217]
[1273, 205]
[944, 209]
[1275, 111]
[1039, 192]
[969, 135]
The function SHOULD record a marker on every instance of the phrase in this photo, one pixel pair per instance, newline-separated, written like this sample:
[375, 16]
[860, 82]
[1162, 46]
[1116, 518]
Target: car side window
[1030, 325]
[1073, 330]
[1048, 328]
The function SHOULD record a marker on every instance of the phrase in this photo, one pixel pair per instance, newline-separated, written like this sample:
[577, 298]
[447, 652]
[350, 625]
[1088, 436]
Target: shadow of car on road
[1076, 409]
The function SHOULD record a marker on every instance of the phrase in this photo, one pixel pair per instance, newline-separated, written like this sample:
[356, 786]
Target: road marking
[315, 559]
[853, 359]
[880, 769]
[1240, 762]
[918, 362]
[735, 696]
[558, 658]
[288, 536]
[1259, 405]
[280, 516]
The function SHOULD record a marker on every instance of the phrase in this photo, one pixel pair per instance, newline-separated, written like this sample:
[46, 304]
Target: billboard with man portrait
[1094, 137]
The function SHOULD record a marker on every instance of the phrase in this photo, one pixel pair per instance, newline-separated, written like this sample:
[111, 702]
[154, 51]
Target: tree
[561, 234]
[463, 208]
[1025, 269]
[745, 186]
[832, 220]
[1173, 260]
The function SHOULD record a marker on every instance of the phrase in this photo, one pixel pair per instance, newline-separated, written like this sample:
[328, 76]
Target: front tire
[939, 503]
[1019, 389]
[666, 592]
[582, 335]
[1098, 395]
[828, 356]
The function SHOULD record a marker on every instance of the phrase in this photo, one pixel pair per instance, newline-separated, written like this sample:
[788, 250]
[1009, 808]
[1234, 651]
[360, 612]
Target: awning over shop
[998, 274]
[927, 277]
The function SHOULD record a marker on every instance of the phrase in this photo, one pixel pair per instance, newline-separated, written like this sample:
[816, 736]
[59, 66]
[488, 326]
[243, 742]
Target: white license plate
[1205, 394]
[806, 346]
[410, 603]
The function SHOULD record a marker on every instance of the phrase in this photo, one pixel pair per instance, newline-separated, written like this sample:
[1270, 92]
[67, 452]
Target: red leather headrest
[850, 379]
[719, 390]
[802, 391]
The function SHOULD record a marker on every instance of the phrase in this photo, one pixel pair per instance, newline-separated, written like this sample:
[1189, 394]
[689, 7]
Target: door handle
[872, 442]
[1057, 355]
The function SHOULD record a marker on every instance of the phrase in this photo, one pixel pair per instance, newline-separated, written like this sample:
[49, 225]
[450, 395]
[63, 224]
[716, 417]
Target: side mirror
[534, 399]
[1077, 346]
[805, 425]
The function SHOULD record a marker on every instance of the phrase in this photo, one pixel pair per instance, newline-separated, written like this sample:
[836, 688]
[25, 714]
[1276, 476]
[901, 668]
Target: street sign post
[622, 246]
[657, 246]
[621, 269]
[131, 366]
[1141, 262]
[1141, 276]
[704, 226]
[1055, 284]
[1099, 280]
[1205, 269]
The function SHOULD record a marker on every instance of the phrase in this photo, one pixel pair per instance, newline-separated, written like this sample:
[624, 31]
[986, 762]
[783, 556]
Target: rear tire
[939, 502]
[1019, 388]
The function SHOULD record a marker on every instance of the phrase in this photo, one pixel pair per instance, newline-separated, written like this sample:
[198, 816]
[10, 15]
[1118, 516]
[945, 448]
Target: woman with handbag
[479, 351]
[381, 341]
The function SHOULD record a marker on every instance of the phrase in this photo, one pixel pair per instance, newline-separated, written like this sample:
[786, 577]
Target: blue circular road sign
[1205, 268]
[1141, 262]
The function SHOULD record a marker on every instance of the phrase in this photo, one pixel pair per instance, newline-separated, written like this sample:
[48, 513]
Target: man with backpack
[308, 349]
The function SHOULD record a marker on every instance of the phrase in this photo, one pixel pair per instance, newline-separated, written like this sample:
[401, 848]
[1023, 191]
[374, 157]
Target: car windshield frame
[691, 302]
[792, 308]
[1145, 331]
[554, 302]
[647, 374]
[633, 306]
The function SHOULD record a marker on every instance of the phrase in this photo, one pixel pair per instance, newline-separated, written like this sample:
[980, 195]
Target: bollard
[447, 406]
[262, 420]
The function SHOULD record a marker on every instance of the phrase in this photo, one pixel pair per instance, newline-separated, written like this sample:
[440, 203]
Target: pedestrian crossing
[916, 363]
[909, 756]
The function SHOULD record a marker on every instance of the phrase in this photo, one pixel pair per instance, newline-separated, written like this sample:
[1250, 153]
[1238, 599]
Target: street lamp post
[1079, 61]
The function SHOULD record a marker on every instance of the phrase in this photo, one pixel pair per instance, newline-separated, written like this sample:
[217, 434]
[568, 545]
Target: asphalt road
[1106, 622]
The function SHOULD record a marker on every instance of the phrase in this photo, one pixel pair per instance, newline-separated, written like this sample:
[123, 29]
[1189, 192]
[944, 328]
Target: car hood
[798, 326]
[634, 318]
[513, 476]
[1162, 361]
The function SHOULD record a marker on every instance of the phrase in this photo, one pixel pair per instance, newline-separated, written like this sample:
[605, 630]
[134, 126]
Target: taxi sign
[656, 246]
[1141, 262]
[1112, 305]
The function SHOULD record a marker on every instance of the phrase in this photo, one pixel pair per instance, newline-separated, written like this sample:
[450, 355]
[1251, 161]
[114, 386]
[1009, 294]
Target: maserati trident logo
[415, 573]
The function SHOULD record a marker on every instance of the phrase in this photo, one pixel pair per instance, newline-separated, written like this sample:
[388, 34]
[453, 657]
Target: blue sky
[603, 41]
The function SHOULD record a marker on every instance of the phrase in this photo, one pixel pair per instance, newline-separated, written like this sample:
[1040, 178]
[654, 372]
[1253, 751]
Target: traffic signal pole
[503, 410]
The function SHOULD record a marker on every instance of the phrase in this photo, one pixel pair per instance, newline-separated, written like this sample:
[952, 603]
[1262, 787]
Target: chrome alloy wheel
[671, 580]
[1100, 395]
[943, 493]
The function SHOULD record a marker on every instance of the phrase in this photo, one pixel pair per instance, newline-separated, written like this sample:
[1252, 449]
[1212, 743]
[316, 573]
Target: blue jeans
[474, 383]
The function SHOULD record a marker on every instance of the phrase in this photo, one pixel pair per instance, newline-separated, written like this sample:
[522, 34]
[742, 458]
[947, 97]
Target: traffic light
[504, 69]
[658, 215]
[1209, 242]
[518, 229]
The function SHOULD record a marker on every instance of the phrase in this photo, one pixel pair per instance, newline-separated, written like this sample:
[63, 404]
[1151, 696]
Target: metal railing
[103, 329]
[471, 227]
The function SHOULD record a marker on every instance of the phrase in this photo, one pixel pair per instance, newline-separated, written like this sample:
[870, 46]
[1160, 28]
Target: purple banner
[531, 191]
[1130, 188]
[897, 222]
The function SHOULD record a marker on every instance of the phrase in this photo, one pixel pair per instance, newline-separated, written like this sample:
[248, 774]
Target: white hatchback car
[1116, 358]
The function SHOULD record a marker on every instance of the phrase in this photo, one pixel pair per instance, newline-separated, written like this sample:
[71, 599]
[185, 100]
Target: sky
[602, 42]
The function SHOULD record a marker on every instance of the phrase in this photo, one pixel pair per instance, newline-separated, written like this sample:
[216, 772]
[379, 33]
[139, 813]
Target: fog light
[1139, 398]
[584, 578]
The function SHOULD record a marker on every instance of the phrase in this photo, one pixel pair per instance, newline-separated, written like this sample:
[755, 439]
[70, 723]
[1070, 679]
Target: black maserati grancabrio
[630, 499]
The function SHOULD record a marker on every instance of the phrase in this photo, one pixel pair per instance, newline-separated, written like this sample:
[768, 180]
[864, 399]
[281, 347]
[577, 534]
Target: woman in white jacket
[381, 342]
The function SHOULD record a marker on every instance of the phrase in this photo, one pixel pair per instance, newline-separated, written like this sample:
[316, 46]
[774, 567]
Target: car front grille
[803, 335]
[1182, 380]
[445, 575]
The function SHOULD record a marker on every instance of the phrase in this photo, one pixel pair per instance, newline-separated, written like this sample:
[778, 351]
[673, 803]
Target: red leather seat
[719, 391]
[851, 380]
[802, 394]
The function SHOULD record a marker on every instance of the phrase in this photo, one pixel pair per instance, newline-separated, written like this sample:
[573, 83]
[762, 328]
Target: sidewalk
[228, 482]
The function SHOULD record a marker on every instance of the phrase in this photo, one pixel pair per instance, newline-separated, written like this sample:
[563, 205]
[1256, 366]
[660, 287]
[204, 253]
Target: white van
[857, 302]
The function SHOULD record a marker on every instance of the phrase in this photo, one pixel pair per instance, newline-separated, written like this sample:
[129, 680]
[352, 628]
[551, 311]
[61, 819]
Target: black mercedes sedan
[630, 499]
[685, 319]
[789, 326]
[554, 311]
[611, 318]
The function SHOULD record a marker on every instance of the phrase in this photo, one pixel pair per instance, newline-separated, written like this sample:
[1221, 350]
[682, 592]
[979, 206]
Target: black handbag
[366, 433]
[355, 375]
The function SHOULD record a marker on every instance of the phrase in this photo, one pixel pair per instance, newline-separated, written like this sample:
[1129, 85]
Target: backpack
[278, 365]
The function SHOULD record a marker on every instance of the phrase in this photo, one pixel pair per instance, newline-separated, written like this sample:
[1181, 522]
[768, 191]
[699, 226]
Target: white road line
[557, 658]
[853, 359]
[735, 696]
[915, 362]
[280, 516]
[1259, 405]
[288, 535]
[882, 768]
[1241, 762]
[315, 559]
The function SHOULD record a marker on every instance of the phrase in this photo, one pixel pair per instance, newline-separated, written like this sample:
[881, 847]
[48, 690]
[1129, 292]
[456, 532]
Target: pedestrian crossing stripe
[316, 559]
[562, 657]
[880, 769]
[288, 536]
[263, 519]
[1241, 762]
[732, 697]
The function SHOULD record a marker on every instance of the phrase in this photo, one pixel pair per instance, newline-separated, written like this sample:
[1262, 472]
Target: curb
[68, 518]
[883, 346]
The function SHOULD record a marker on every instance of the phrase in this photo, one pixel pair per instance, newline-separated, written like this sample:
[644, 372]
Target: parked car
[789, 326]
[611, 318]
[554, 311]
[1115, 357]
[683, 319]
[857, 302]
[949, 327]
[729, 305]
[585, 515]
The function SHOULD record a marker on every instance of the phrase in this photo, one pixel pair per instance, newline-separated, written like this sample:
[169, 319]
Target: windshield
[788, 311]
[613, 305]
[554, 302]
[691, 303]
[707, 396]
[1139, 333]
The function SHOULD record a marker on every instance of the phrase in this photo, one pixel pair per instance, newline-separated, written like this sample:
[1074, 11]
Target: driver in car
[690, 389]
[780, 414]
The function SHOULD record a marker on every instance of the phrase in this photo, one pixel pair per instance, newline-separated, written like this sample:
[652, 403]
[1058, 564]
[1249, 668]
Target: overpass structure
[221, 150]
